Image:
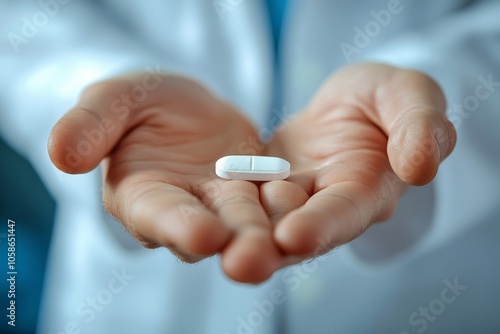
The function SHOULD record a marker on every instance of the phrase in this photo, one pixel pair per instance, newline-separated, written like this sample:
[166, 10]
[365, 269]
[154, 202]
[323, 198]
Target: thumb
[105, 112]
[420, 135]
[418, 142]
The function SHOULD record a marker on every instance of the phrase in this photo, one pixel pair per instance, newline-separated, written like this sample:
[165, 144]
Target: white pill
[252, 168]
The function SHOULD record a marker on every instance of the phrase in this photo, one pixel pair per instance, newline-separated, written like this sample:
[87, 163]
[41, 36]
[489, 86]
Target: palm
[163, 171]
[339, 154]
[178, 143]
[346, 149]
[160, 182]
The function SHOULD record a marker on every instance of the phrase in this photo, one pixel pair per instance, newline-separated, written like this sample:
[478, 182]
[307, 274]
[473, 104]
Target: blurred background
[25, 200]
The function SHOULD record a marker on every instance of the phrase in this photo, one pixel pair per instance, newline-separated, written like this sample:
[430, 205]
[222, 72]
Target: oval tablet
[252, 168]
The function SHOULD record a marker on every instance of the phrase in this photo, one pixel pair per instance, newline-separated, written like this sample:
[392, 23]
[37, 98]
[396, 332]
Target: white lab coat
[434, 267]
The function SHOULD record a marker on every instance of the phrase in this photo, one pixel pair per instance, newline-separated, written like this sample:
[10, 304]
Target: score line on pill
[252, 168]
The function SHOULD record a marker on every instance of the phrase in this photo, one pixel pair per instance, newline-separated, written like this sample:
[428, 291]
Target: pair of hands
[370, 131]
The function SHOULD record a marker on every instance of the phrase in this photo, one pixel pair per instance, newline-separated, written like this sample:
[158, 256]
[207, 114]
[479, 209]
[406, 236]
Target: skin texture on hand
[371, 130]
[158, 171]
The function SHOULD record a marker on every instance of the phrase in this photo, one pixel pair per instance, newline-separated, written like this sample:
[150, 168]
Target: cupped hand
[370, 131]
[159, 138]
